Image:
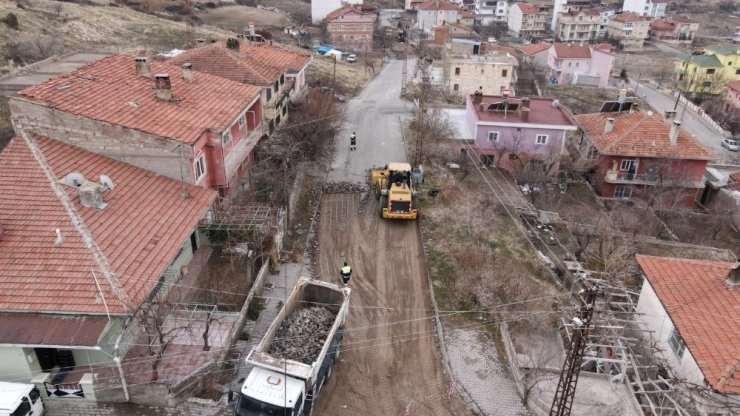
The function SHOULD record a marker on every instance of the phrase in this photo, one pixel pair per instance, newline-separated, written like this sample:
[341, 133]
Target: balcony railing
[614, 176]
[239, 152]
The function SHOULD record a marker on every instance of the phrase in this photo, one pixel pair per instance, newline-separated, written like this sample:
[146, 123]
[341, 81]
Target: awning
[51, 330]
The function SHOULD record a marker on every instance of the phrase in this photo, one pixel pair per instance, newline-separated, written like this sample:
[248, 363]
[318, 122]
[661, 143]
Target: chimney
[163, 86]
[733, 278]
[525, 113]
[634, 107]
[232, 43]
[609, 125]
[251, 29]
[673, 135]
[142, 66]
[187, 72]
[200, 42]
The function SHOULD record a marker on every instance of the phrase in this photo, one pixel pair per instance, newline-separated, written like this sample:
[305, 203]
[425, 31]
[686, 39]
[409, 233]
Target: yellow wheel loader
[394, 188]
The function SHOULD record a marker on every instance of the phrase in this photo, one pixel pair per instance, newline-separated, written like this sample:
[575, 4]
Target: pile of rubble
[302, 334]
[342, 188]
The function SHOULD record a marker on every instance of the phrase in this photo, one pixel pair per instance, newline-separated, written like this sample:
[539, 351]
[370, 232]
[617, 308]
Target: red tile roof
[111, 91]
[438, 5]
[639, 135]
[704, 311]
[535, 48]
[347, 8]
[734, 85]
[627, 17]
[605, 47]
[33, 329]
[541, 111]
[572, 51]
[216, 59]
[140, 231]
[276, 56]
[526, 8]
[683, 19]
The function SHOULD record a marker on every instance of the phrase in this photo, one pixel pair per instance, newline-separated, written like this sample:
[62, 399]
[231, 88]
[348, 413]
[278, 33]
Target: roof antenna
[59, 239]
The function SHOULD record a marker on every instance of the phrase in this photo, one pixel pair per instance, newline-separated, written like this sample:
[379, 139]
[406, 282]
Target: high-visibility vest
[346, 270]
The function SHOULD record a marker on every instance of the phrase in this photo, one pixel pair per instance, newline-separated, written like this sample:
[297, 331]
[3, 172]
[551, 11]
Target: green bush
[256, 306]
[11, 20]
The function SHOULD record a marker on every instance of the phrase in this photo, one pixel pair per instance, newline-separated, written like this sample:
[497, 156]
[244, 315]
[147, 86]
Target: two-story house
[629, 29]
[568, 6]
[351, 28]
[518, 134]
[321, 8]
[489, 74]
[434, 13]
[231, 60]
[688, 309]
[584, 25]
[536, 54]
[652, 9]
[579, 64]
[491, 11]
[708, 73]
[78, 261]
[528, 21]
[674, 28]
[190, 126]
[730, 107]
[275, 55]
[638, 156]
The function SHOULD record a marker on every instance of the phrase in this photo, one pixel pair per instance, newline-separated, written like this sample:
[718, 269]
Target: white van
[17, 399]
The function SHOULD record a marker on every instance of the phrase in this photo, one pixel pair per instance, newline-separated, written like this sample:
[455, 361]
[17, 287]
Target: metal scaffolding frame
[239, 218]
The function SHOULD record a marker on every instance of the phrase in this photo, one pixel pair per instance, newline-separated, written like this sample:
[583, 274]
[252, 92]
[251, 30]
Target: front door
[47, 358]
[194, 241]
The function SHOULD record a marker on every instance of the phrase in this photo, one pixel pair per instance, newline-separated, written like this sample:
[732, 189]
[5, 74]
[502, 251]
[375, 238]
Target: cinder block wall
[137, 148]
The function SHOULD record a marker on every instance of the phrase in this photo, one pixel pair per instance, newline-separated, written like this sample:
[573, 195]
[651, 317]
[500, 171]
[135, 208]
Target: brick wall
[137, 148]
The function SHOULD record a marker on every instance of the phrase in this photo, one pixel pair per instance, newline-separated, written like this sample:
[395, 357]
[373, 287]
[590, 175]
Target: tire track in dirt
[386, 367]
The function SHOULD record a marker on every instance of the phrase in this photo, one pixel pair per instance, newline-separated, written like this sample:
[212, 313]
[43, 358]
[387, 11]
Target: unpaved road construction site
[390, 362]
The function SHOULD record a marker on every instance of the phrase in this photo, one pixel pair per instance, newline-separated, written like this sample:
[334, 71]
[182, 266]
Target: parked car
[352, 58]
[730, 144]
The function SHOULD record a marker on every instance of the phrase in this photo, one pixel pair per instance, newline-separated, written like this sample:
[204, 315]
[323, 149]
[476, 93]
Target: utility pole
[563, 400]
[366, 59]
[190, 24]
[678, 97]
[404, 71]
[334, 76]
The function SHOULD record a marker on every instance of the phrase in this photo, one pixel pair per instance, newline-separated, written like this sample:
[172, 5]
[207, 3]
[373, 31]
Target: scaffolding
[239, 218]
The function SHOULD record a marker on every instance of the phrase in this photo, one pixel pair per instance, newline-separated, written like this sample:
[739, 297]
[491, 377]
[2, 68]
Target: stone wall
[137, 148]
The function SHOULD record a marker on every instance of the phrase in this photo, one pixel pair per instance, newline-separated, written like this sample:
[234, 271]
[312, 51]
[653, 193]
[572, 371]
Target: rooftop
[350, 8]
[542, 111]
[572, 50]
[734, 85]
[437, 5]
[703, 310]
[707, 61]
[535, 48]
[110, 90]
[492, 58]
[527, 8]
[639, 134]
[724, 49]
[628, 17]
[217, 59]
[275, 55]
[140, 231]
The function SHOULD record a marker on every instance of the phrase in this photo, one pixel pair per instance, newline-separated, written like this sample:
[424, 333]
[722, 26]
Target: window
[677, 343]
[242, 120]
[277, 86]
[492, 136]
[737, 72]
[541, 139]
[627, 165]
[282, 79]
[622, 192]
[269, 93]
[457, 71]
[710, 71]
[482, 71]
[199, 167]
[504, 73]
[226, 137]
[285, 109]
[706, 84]
[456, 87]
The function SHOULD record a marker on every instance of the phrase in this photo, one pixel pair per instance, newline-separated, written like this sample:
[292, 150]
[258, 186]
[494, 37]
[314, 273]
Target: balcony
[239, 153]
[618, 177]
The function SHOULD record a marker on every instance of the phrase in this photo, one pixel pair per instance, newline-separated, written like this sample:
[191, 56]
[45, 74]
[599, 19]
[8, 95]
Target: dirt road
[390, 364]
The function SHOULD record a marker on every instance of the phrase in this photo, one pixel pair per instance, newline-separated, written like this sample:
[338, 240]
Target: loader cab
[267, 393]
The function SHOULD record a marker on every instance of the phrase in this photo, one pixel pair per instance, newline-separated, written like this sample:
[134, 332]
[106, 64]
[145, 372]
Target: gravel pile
[342, 188]
[302, 334]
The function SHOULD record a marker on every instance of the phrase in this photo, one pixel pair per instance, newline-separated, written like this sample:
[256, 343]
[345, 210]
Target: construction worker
[353, 141]
[346, 272]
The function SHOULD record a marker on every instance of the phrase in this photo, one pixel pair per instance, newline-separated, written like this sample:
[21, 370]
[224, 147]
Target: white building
[566, 6]
[321, 8]
[648, 8]
[490, 11]
[689, 309]
[435, 13]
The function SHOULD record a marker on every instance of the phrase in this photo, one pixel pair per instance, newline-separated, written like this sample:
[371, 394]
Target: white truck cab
[18, 399]
[266, 392]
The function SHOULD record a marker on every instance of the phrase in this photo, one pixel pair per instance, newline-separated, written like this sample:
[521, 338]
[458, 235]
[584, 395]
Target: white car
[352, 58]
[730, 144]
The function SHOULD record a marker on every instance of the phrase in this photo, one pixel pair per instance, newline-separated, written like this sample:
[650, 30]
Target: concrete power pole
[404, 71]
[563, 400]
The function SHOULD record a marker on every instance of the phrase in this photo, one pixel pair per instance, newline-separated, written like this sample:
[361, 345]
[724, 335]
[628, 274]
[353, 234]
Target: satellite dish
[107, 182]
[75, 179]
[650, 113]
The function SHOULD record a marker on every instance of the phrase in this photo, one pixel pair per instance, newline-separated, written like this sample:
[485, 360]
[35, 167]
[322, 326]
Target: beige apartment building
[630, 29]
[490, 74]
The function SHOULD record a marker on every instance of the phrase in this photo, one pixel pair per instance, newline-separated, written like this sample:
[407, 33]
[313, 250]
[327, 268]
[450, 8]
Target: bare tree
[31, 47]
[703, 82]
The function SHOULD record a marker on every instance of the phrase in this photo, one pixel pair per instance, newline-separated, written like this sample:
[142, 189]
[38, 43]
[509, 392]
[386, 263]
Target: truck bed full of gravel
[302, 334]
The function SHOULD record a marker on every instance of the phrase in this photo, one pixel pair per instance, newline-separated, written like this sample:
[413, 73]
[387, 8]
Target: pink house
[518, 134]
[731, 106]
[351, 27]
[579, 64]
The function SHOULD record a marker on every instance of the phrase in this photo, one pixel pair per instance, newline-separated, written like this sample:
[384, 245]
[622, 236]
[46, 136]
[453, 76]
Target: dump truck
[395, 190]
[294, 359]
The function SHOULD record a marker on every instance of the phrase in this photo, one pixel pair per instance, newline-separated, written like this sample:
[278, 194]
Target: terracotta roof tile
[438, 5]
[541, 111]
[109, 90]
[734, 85]
[627, 17]
[535, 48]
[572, 51]
[703, 310]
[275, 56]
[526, 8]
[140, 231]
[216, 59]
[639, 135]
[605, 47]
[360, 9]
[33, 329]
